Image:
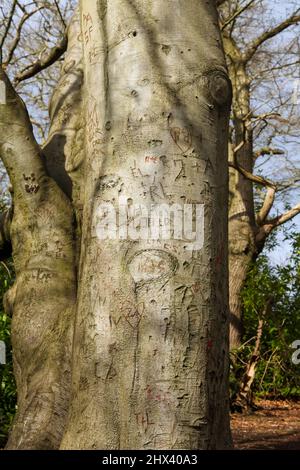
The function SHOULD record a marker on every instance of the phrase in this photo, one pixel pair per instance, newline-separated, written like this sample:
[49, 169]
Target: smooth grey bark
[149, 123]
[150, 343]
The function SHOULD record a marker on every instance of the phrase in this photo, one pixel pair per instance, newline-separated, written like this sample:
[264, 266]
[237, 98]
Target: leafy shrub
[7, 382]
[276, 376]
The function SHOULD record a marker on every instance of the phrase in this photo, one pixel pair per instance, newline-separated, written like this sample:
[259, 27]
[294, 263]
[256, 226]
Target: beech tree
[264, 117]
[120, 342]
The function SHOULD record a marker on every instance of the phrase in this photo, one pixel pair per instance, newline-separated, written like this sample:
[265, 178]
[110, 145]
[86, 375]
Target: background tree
[261, 40]
[150, 346]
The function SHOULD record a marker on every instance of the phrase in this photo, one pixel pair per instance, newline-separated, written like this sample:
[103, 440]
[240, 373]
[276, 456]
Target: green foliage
[276, 375]
[7, 382]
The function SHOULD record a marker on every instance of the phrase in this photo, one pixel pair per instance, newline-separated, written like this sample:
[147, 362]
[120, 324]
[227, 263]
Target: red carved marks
[94, 54]
[154, 393]
[151, 159]
[88, 26]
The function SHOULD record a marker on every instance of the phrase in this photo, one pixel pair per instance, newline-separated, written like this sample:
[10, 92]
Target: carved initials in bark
[31, 186]
[134, 327]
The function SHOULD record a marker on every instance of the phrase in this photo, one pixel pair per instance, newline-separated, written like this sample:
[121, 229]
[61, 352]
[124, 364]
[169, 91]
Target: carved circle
[152, 265]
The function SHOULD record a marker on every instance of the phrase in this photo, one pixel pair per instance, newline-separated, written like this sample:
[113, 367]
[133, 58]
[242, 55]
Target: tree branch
[42, 233]
[236, 14]
[285, 185]
[281, 219]
[16, 41]
[254, 178]
[267, 206]
[17, 140]
[41, 64]
[271, 224]
[10, 18]
[268, 151]
[292, 20]
[271, 191]
[60, 13]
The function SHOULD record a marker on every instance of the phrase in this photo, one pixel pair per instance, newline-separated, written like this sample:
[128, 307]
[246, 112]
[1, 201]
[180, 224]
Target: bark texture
[242, 246]
[242, 224]
[150, 346]
[42, 298]
[149, 124]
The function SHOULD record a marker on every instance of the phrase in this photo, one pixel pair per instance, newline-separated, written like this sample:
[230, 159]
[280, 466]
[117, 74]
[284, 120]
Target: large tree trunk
[150, 348]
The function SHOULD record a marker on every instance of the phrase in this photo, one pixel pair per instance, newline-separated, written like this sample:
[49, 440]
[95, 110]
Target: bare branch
[254, 178]
[278, 67]
[289, 183]
[19, 150]
[236, 14]
[283, 218]
[268, 151]
[292, 20]
[16, 41]
[41, 64]
[60, 13]
[10, 18]
[271, 224]
[267, 206]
